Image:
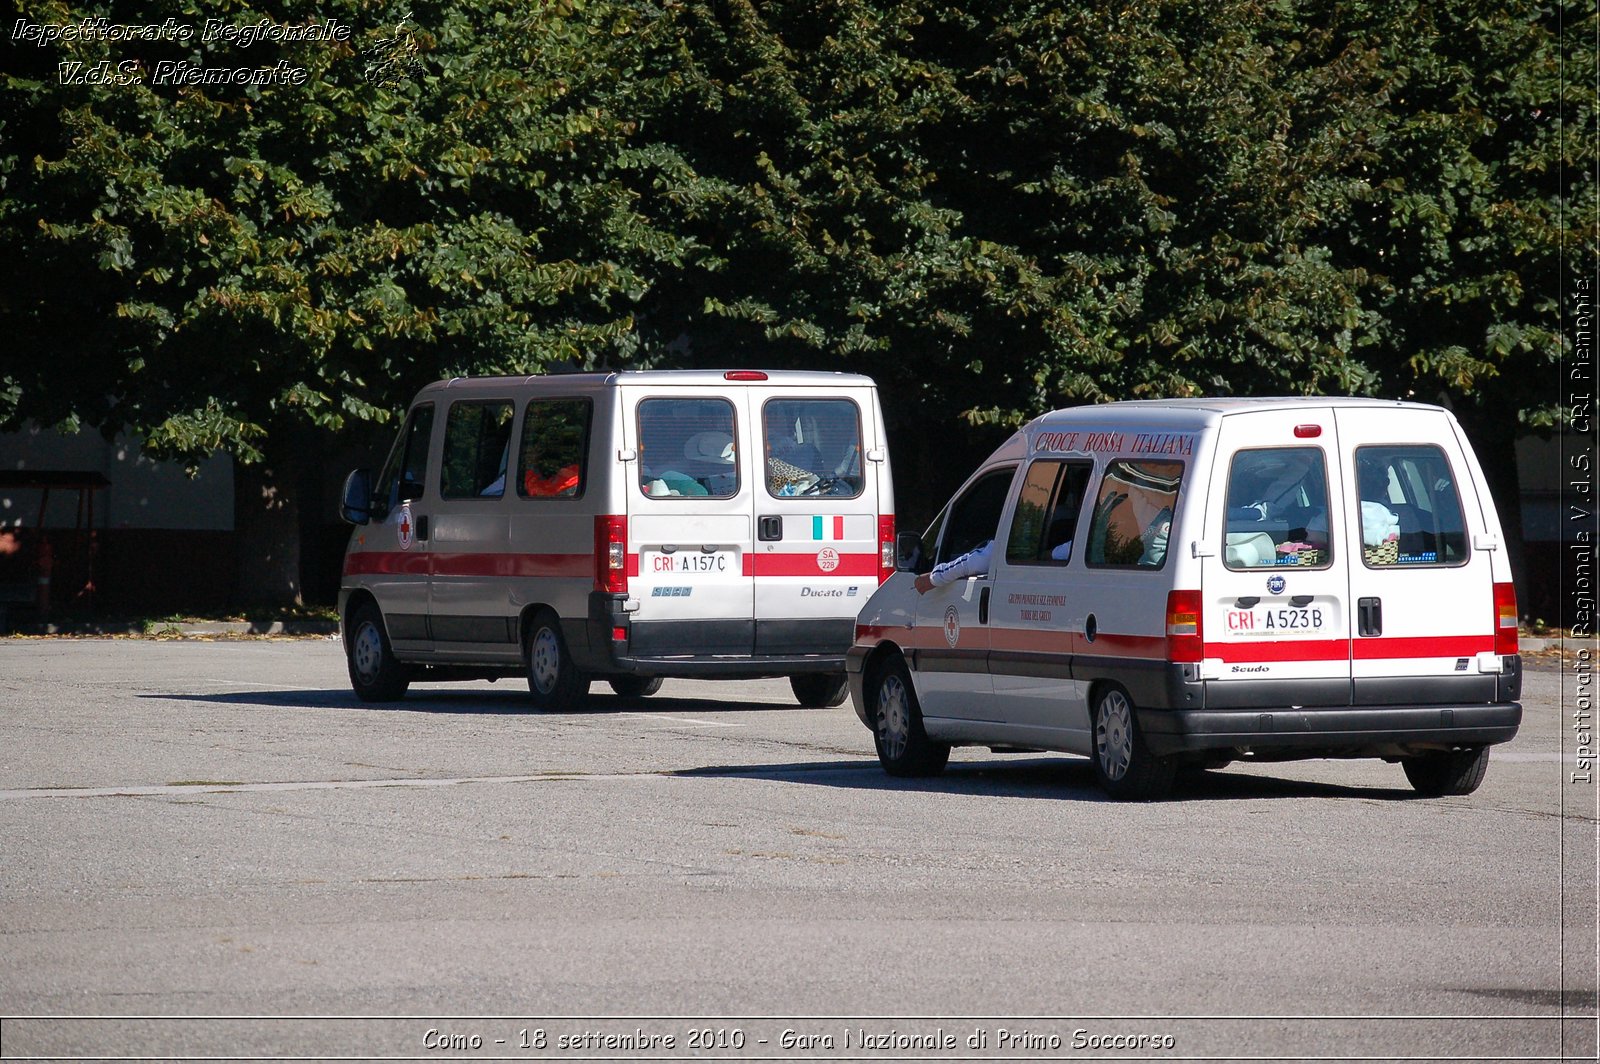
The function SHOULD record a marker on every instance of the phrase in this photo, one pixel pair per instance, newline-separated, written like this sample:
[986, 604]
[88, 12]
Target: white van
[620, 526]
[1188, 583]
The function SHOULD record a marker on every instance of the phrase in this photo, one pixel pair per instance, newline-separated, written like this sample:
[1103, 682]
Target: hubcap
[894, 717]
[1113, 735]
[544, 660]
[366, 650]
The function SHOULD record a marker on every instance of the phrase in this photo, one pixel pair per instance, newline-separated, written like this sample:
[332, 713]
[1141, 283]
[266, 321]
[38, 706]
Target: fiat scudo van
[1188, 583]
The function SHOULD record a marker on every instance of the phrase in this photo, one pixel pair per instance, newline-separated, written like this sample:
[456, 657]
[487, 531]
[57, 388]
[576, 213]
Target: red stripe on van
[386, 563]
[397, 563]
[1281, 650]
[575, 566]
[806, 565]
[1446, 646]
[1449, 646]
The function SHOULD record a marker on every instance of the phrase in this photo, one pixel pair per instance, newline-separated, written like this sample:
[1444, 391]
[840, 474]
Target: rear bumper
[728, 648]
[1364, 731]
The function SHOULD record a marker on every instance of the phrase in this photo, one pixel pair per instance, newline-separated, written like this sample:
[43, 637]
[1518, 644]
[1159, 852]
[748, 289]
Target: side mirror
[355, 506]
[908, 552]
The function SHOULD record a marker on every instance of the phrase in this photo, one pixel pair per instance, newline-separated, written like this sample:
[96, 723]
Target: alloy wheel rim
[1113, 736]
[894, 717]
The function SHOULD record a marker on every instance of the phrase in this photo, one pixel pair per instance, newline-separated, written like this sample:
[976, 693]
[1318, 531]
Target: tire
[904, 748]
[635, 686]
[820, 690]
[553, 680]
[1449, 773]
[376, 674]
[1123, 764]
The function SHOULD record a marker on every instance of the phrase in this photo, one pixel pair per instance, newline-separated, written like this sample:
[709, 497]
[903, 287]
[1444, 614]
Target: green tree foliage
[993, 209]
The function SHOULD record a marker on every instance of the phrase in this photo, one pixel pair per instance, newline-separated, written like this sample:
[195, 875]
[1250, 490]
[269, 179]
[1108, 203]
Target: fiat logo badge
[1276, 584]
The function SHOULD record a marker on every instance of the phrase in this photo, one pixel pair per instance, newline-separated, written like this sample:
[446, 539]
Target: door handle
[983, 606]
[1369, 616]
[769, 528]
[422, 527]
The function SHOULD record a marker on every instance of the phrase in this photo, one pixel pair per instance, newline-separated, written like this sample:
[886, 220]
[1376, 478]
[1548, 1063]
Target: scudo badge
[1276, 584]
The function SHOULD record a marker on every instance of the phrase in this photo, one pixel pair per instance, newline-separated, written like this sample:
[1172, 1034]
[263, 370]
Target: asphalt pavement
[212, 849]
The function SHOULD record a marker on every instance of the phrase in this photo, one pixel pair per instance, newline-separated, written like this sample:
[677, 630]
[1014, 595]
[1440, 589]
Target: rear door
[690, 521]
[1276, 591]
[1423, 597]
[818, 502]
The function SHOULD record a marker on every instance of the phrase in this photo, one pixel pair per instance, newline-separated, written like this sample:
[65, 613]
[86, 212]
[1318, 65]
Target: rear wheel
[819, 690]
[375, 673]
[635, 686]
[1447, 773]
[1123, 765]
[553, 680]
[904, 748]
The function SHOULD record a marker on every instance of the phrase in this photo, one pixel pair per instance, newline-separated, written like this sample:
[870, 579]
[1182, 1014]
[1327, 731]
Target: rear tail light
[885, 546]
[611, 554]
[1505, 619]
[1183, 626]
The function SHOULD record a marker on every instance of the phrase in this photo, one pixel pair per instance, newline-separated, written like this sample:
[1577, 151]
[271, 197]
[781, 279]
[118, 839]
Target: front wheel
[376, 674]
[820, 690]
[904, 748]
[1449, 773]
[1123, 764]
[553, 680]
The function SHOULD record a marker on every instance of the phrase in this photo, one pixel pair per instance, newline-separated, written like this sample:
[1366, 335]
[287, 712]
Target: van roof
[1197, 412]
[703, 378]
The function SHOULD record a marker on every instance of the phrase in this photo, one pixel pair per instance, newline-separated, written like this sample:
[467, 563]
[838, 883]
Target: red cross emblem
[405, 527]
[952, 626]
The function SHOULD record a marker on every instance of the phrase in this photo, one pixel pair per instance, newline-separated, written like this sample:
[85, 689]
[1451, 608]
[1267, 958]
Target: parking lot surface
[215, 849]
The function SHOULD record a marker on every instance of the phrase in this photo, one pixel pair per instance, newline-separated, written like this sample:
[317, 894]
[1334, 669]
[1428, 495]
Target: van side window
[1410, 510]
[477, 442]
[1046, 515]
[1133, 514]
[407, 468]
[813, 447]
[686, 448]
[1277, 509]
[555, 443]
[975, 515]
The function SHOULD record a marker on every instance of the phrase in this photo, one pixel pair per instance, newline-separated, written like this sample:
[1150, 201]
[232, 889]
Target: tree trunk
[266, 519]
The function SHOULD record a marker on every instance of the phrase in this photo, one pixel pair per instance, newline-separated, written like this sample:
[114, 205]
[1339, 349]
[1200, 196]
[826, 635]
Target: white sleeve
[973, 563]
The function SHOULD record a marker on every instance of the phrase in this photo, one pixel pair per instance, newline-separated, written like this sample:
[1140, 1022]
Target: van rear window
[1277, 509]
[1410, 508]
[686, 448]
[1133, 515]
[813, 447]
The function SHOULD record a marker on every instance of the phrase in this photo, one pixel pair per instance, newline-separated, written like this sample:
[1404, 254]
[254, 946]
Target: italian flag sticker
[827, 527]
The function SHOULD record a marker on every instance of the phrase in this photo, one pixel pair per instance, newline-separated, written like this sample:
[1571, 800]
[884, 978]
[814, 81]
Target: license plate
[1277, 622]
[692, 563]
